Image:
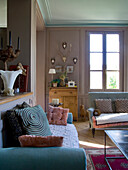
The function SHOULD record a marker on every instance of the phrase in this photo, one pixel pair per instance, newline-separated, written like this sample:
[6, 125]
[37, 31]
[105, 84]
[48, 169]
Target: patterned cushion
[34, 121]
[104, 105]
[57, 115]
[14, 125]
[121, 105]
[22, 106]
[40, 141]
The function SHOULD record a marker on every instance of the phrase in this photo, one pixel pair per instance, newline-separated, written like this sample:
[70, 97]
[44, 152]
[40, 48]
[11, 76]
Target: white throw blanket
[111, 118]
[69, 133]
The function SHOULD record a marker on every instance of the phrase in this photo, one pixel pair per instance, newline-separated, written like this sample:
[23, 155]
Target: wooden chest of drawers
[67, 96]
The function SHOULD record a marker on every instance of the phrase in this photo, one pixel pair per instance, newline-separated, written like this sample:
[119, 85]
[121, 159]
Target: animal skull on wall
[64, 59]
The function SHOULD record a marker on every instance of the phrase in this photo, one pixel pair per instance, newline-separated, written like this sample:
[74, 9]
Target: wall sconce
[52, 60]
[75, 60]
[64, 45]
[64, 53]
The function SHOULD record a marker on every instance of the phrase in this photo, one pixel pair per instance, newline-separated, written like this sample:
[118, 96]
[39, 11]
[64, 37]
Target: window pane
[96, 43]
[96, 80]
[96, 61]
[112, 42]
[112, 61]
[112, 80]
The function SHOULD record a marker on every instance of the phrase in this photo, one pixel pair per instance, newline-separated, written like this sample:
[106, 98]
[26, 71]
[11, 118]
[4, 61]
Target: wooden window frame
[121, 59]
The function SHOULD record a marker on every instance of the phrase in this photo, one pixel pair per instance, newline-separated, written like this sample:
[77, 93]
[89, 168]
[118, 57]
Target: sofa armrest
[42, 158]
[90, 111]
[70, 118]
[90, 115]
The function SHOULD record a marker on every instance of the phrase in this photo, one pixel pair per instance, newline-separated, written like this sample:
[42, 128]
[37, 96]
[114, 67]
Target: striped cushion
[34, 121]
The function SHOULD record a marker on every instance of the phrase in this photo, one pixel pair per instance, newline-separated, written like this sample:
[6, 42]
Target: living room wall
[78, 37]
[75, 37]
[21, 19]
[40, 68]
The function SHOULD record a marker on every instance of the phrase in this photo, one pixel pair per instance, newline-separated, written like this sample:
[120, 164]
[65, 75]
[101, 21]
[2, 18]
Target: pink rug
[96, 161]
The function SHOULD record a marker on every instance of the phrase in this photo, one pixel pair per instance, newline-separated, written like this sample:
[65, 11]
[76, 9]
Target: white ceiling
[84, 12]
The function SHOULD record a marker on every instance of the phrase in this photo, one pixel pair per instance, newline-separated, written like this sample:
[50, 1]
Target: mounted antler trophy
[65, 52]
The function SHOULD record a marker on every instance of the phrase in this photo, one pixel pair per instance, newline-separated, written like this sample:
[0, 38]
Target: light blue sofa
[49, 158]
[104, 95]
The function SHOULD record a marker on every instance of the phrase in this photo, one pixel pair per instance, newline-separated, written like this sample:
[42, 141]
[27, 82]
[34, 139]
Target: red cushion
[57, 115]
[40, 141]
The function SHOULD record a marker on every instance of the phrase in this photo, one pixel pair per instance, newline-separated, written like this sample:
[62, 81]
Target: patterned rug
[95, 159]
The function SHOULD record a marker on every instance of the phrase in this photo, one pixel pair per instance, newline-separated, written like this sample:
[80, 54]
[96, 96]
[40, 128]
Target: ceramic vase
[9, 78]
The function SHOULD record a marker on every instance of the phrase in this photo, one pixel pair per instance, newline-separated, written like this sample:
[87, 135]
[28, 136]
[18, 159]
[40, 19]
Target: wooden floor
[85, 136]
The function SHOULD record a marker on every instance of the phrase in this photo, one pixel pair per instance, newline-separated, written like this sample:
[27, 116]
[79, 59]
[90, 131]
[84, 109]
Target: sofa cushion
[34, 121]
[121, 105]
[21, 106]
[96, 112]
[13, 126]
[57, 115]
[104, 105]
[112, 118]
[106, 125]
[40, 141]
[69, 133]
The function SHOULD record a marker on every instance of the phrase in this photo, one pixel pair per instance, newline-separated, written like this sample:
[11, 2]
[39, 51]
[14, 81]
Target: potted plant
[55, 82]
[62, 78]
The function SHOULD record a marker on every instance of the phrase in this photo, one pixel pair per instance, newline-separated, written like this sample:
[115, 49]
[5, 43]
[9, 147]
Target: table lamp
[52, 71]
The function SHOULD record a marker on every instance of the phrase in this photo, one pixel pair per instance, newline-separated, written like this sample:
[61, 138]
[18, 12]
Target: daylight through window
[104, 57]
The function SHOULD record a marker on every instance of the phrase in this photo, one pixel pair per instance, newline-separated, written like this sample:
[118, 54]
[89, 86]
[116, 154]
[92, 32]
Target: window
[104, 57]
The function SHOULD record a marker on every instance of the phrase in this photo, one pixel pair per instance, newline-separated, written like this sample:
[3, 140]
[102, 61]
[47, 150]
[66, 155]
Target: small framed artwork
[58, 69]
[69, 69]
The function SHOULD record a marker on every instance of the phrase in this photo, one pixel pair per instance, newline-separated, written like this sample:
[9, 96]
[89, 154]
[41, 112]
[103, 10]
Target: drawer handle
[55, 92]
[71, 92]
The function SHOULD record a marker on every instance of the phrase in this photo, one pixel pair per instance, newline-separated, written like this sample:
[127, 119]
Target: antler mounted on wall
[64, 55]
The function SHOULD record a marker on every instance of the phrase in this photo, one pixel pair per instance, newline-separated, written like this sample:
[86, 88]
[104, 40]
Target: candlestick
[7, 55]
[10, 39]
[1, 43]
[18, 44]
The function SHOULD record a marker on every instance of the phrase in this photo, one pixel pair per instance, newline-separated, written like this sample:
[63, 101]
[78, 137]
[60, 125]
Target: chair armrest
[70, 118]
[90, 113]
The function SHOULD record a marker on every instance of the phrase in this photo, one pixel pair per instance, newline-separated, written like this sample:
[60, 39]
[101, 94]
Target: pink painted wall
[21, 21]
[3, 34]
[55, 37]
[40, 69]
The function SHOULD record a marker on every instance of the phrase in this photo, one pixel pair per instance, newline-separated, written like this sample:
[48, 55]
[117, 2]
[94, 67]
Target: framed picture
[58, 69]
[69, 69]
